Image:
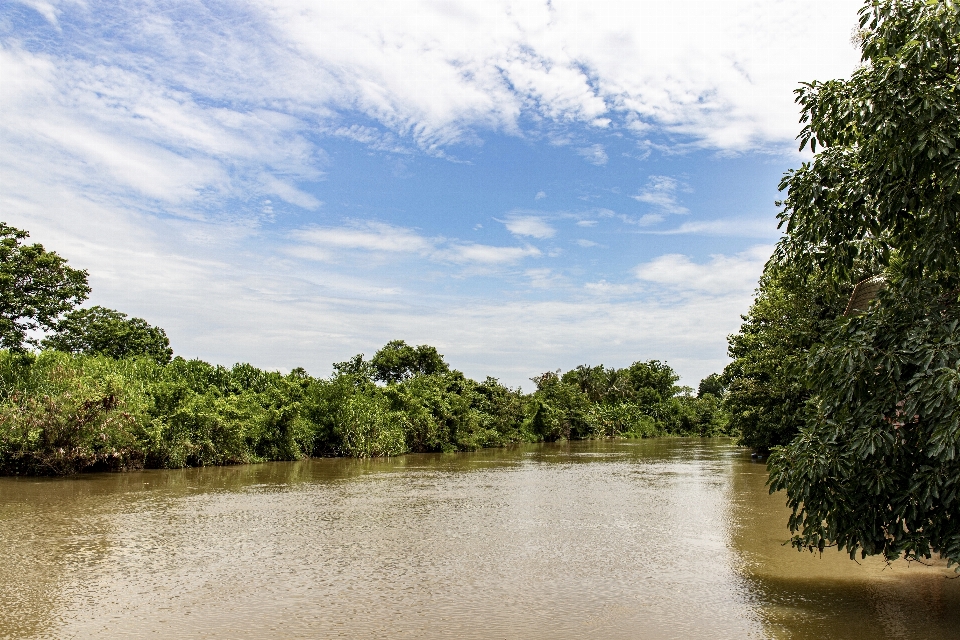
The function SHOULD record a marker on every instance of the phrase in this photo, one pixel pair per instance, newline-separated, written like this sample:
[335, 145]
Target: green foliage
[58, 418]
[641, 400]
[367, 427]
[714, 384]
[36, 287]
[102, 331]
[67, 412]
[889, 171]
[398, 361]
[877, 469]
[874, 469]
[561, 409]
[766, 387]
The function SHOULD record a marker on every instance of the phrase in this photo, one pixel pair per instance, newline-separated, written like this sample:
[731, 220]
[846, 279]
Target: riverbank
[66, 413]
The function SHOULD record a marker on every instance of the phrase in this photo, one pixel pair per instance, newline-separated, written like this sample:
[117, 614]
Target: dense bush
[65, 412]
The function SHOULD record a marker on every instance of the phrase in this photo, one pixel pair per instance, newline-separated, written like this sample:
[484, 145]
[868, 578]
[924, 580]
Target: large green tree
[766, 390]
[876, 469]
[103, 331]
[36, 288]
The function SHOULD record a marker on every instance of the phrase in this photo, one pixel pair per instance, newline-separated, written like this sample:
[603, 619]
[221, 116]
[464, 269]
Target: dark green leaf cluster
[874, 468]
[714, 384]
[36, 286]
[888, 173]
[878, 468]
[766, 389]
[398, 361]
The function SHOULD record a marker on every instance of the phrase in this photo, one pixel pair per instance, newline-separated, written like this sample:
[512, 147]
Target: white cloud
[529, 225]
[722, 275]
[482, 254]
[45, 9]
[367, 236]
[543, 278]
[373, 138]
[594, 154]
[433, 73]
[109, 130]
[649, 219]
[289, 193]
[661, 192]
[540, 195]
[587, 243]
[744, 228]
[722, 73]
[586, 223]
[383, 240]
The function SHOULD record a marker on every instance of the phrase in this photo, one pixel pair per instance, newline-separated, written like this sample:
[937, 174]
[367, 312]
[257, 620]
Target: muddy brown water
[664, 538]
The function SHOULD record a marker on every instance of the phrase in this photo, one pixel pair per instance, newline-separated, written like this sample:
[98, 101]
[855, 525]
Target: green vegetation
[64, 413]
[766, 390]
[104, 394]
[36, 286]
[866, 407]
[107, 332]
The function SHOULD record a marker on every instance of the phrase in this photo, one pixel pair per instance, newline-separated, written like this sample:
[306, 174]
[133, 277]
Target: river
[661, 538]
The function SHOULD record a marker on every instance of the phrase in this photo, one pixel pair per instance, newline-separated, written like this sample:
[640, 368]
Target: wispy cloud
[373, 138]
[594, 154]
[745, 228]
[367, 236]
[661, 192]
[383, 240]
[483, 254]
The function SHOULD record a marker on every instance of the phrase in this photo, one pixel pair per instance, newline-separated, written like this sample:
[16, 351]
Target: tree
[657, 378]
[876, 467]
[36, 287]
[714, 385]
[398, 361]
[102, 331]
[766, 387]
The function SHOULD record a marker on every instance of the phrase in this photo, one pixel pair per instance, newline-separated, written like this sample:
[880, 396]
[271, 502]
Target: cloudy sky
[527, 185]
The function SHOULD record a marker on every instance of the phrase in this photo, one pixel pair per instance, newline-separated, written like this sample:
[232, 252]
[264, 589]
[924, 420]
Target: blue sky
[525, 185]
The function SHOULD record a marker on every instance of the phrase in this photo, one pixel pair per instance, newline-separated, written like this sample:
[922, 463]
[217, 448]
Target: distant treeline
[85, 389]
[63, 412]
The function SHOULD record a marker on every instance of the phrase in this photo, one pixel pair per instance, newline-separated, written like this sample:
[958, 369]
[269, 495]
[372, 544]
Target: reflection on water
[651, 539]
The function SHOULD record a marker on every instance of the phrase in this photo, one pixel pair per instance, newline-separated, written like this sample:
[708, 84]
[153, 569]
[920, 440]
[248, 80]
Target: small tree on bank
[101, 331]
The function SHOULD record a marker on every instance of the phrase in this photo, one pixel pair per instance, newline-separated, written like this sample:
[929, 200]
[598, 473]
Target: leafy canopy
[876, 467]
[101, 331]
[766, 387]
[36, 287]
[398, 361]
[888, 173]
